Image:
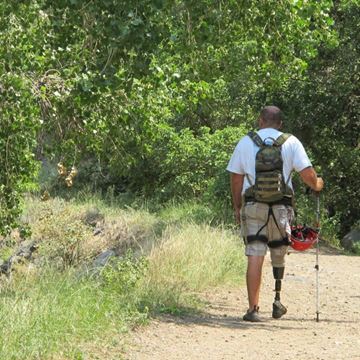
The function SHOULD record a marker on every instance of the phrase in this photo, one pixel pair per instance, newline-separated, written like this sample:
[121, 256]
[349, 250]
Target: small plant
[61, 234]
[356, 248]
[123, 275]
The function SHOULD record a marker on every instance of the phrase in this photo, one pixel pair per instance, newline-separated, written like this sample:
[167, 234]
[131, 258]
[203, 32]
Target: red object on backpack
[303, 237]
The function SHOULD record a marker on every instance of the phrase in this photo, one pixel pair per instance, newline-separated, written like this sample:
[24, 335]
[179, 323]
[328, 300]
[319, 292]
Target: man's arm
[236, 184]
[310, 178]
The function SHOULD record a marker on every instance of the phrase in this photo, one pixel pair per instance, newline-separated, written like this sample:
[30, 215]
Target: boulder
[350, 239]
[98, 264]
[24, 252]
[103, 258]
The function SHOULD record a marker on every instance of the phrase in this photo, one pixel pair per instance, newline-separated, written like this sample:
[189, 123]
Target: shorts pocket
[256, 211]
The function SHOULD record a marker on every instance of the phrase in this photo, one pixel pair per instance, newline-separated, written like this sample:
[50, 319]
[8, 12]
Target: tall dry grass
[190, 259]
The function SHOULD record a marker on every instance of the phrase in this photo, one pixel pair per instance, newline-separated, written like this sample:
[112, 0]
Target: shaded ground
[220, 332]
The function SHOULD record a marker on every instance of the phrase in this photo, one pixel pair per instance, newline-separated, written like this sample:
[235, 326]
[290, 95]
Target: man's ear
[280, 126]
[260, 122]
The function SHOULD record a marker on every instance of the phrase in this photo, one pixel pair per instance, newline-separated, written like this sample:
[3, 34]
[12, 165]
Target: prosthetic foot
[278, 308]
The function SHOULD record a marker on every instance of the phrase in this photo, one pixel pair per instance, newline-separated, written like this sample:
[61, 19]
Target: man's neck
[268, 127]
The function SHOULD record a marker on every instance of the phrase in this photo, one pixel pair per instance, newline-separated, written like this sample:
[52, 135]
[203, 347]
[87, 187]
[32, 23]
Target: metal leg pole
[317, 255]
[317, 281]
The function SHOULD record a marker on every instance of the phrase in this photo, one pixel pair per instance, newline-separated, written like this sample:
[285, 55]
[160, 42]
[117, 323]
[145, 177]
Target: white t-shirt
[243, 158]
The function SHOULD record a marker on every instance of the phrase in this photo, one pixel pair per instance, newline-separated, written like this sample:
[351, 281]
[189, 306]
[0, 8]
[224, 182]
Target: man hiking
[262, 193]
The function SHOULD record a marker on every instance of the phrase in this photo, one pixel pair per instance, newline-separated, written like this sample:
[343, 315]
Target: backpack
[270, 186]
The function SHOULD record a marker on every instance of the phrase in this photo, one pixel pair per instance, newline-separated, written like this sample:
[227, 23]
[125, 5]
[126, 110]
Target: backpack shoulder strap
[255, 138]
[282, 138]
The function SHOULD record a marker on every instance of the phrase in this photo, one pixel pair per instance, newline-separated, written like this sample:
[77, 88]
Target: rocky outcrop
[350, 239]
[24, 252]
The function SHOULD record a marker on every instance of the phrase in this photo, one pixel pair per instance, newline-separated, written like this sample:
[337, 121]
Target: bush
[19, 124]
[61, 234]
[188, 164]
[122, 275]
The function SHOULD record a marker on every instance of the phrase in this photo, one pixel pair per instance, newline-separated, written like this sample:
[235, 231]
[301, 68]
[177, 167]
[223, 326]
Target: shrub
[189, 164]
[122, 275]
[61, 234]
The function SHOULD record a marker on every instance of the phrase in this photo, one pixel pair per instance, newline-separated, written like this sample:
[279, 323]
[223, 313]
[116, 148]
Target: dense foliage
[151, 96]
[328, 103]
[19, 122]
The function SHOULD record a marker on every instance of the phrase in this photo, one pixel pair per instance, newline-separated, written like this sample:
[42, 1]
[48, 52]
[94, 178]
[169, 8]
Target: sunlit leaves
[123, 84]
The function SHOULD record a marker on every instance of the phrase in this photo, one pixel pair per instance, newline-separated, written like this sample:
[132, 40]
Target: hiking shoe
[278, 310]
[252, 315]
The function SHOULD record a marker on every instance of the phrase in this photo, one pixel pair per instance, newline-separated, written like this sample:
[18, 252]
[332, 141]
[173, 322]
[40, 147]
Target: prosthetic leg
[278, 308]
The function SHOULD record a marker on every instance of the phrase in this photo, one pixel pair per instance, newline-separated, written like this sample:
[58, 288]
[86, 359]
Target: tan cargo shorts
[253, 216]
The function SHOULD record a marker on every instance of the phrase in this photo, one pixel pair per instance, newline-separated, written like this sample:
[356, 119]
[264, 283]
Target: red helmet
[302, 237]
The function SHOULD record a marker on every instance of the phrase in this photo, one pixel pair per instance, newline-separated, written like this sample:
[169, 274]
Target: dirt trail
[220, 332]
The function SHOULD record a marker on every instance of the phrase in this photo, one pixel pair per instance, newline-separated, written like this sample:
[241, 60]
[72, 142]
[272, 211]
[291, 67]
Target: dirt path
[220, 333]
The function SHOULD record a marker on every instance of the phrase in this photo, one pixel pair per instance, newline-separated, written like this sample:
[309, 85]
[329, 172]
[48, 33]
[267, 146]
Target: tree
[124, 84]
[324, 111]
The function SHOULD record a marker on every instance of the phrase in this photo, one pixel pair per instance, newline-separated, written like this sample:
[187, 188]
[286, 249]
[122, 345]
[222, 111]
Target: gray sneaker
[278, 310]
[252, 315]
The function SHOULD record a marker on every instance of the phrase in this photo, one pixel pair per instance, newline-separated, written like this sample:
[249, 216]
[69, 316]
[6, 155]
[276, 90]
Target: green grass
[52, 313]
[47, 313]
[188, 260]
[199, 256]
[193, 212]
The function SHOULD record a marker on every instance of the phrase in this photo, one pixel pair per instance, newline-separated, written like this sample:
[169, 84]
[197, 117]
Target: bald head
[270, 116]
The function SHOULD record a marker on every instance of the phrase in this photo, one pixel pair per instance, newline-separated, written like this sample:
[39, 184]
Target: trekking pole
[317, 194]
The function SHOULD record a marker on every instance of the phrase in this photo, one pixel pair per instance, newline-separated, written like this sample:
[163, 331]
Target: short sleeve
[236, 163]
[300, 157]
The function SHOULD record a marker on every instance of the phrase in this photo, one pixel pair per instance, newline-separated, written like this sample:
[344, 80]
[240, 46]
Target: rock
[98, 264]
[24, 252]
[350, 239]
[5, 267]
[98, 231]
[27, 249]
[103, 258]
